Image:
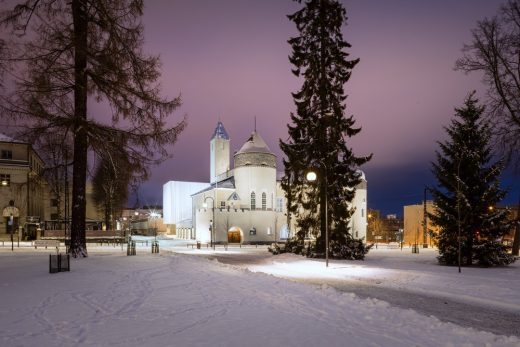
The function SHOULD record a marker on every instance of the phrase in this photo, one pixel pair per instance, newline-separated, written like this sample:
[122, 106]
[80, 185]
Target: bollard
[155, 247]
[130, 248]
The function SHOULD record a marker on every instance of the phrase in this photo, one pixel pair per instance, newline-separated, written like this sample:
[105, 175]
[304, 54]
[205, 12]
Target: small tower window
[264, 201]
[253, 201]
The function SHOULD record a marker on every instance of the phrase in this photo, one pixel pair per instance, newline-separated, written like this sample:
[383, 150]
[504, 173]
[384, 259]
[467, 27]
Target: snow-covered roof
[5, 138]
[228, 183]
[255, 144]
[220, 132]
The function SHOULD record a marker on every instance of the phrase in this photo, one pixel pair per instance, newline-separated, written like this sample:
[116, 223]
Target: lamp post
[212, 226]
[312, 176]
[458, 213]
[123, 234]
[154, 215]
[135, 218]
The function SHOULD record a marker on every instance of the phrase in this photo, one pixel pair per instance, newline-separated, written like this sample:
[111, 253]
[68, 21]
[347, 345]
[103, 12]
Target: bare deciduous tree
[65, 53]
[495, 52]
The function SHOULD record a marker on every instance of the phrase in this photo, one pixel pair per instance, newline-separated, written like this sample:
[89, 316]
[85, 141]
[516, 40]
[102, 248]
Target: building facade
[414, 231]
[22, 190]
[243, 204]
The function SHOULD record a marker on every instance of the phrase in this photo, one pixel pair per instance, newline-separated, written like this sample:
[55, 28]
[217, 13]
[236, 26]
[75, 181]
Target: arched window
[253, 201]
[264, 201]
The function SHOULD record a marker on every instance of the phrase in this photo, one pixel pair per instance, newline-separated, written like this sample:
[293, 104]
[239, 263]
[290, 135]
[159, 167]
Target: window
[222, 204]
[54, 203]
[7, 154]
[279, 204]
[264, 201]
[362, 212]
[5, 180]
[253, 201]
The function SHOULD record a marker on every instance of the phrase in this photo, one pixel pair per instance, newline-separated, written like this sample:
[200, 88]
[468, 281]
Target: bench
[46, 243]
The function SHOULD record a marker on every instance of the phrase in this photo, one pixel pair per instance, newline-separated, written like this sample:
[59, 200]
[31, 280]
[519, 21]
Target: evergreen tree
[468, 190]
[319, 129]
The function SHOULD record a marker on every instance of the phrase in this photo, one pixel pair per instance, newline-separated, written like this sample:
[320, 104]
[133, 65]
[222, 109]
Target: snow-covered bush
[492, 253]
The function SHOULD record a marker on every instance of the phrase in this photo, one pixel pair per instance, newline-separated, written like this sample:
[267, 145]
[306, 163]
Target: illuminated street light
[212, 226]
[311, 177]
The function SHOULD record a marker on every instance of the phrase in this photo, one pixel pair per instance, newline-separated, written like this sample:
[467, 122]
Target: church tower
[219, 152]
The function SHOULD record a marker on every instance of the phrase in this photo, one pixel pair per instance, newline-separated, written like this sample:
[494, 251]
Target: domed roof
[254, 144]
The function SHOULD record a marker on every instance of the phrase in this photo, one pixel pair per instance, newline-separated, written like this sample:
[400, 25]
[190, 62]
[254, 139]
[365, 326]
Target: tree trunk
[516, 240]
[78, 242]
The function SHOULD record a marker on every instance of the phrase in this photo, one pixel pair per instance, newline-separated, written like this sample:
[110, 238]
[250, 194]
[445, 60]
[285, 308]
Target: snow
[188, 300]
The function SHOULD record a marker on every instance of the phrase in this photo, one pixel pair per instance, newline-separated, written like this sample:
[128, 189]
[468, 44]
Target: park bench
[46, 243]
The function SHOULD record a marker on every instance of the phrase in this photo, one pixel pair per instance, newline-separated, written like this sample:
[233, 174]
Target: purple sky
[229, 59]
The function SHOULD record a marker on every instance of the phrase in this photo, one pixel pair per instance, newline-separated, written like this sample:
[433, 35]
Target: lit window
[5, 180]
[253, 201]
[279, 204]
[264, 201]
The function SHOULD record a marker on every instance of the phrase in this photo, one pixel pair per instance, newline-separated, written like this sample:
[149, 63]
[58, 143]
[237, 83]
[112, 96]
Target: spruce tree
[468, 192]
[319, 130]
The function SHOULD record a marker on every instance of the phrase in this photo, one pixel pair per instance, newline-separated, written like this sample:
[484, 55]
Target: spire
[220, 132]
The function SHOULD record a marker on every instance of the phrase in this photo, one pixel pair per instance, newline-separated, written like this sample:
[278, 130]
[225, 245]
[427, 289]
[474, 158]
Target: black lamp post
[312, 176]
[212, 226]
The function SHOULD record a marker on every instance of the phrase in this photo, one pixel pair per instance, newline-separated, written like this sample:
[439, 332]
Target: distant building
[22, 193]
[383, 228]
[414, 232]
[244, 203]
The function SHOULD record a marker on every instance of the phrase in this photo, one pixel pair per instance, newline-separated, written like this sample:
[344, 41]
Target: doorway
[234, 235]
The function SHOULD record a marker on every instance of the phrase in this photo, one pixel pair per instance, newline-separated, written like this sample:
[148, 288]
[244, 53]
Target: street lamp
[123, 233]
[154, 215]
[458, 212]
[313, 176]
[212, 226]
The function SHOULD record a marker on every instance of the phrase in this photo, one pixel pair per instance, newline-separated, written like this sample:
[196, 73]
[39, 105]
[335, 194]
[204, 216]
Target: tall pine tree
[468, 191]
[319, 129]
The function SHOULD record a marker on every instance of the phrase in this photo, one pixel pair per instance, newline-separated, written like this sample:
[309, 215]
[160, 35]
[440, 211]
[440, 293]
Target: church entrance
[234, 235]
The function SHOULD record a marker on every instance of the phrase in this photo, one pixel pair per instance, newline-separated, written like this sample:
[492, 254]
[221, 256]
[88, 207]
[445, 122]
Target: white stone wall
[358, 223]
[219, 157]
[268, 224]
[177, 200]
[260, 179]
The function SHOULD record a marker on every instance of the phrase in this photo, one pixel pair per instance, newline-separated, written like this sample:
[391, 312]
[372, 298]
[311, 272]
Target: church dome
[255, 152]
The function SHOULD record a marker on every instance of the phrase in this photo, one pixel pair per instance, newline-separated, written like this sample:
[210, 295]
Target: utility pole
[425, 221]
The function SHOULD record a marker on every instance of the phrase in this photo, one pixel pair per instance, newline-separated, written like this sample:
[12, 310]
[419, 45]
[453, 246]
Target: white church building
[245, 204]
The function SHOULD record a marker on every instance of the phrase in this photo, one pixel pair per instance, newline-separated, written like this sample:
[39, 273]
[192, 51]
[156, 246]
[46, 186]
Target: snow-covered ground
[175, 299]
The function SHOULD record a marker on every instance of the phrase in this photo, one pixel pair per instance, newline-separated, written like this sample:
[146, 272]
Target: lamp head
[311, 176]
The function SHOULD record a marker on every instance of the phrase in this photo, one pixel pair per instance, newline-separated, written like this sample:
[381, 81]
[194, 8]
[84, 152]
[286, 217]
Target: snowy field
[175, 299]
